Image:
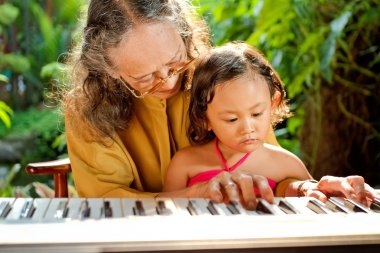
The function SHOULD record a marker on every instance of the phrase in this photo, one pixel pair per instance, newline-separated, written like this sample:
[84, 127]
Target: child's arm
[177, 175]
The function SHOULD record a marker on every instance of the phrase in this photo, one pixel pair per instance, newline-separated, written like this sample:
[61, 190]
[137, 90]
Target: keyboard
[187, 225]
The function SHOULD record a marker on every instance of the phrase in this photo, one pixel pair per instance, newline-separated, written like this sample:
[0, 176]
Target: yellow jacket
[135, 165]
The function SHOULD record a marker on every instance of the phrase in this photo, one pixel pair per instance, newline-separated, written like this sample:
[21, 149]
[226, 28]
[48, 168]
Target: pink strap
[224, 162]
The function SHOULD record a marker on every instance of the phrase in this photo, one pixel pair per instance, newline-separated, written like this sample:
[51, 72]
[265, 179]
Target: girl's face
[150, 52]
[240, 113]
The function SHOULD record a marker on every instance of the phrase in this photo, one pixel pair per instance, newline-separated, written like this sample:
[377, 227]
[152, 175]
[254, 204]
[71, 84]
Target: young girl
[236, 97]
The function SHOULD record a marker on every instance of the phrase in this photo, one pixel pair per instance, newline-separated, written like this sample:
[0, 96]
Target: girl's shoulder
[280, 153]
[194, 153]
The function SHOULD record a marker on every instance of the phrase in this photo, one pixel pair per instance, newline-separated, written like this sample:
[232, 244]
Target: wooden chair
[58, 168]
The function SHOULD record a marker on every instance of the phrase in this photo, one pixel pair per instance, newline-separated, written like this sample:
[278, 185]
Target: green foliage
[43, 125]
[5, 112]
[51, 70]
[8, 14]
[18, 63]
[6, 189]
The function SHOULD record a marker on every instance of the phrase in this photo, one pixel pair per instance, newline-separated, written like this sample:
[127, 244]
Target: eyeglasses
[161, 80]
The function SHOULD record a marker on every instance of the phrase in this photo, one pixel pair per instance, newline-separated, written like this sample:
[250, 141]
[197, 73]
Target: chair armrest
[61, 166]
[58, 168]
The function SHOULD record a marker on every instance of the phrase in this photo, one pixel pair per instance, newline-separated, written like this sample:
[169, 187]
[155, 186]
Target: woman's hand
[351, 187]
[236, 187]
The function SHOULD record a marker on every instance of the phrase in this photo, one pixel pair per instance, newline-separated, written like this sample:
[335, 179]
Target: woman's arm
[351, 187]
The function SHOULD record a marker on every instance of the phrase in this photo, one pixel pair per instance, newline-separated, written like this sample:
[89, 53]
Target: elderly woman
[126, 112]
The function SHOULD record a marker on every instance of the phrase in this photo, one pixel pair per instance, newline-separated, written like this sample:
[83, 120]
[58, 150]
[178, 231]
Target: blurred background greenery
[326, 51]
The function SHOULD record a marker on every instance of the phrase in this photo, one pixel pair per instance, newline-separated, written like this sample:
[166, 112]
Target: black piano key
[115, 207]
[264, 207]
[161, 208]
[286, 207]
[315, 206]
[375, 207]
[5, 208]
[232, 207]
[211, 208]
[62, 210]
[107, 209]
[336, 206]
[84, 210]
[27, 209]
[191, 207]
[138, 209]
[354, 206]
[376, 201]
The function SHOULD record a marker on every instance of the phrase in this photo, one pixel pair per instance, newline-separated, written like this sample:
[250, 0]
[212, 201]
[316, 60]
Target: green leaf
[51, 70]
[4, 78]
[296, 86]
[339, 23]
[8, 14]
[293, 124]
[15, 62]
[5, 111]
[328, 47]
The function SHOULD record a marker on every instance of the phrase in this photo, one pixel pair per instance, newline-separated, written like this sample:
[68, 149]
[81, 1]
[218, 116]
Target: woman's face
[150, 52]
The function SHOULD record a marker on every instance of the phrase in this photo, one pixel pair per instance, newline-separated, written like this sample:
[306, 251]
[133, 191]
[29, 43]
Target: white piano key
[337, 206]
[220, 208]
[357, 207]
[28, 209]
[285, 206]
[96, 206]
[200, 206]
[267, 208]
[74, 206]
[15, 213]
[300, 204]
[5, 207]
[182, 205]
[340, 201]
[55, 204]
[115, 205]
[41, 205]
[128, 204]
[170, 207]
[149, 205]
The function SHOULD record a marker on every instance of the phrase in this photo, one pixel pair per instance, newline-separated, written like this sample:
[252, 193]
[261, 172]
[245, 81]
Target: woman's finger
[358, 185]
[214, 191]
[245, 183]
[228, 186]
[316, 194]
[264, 188]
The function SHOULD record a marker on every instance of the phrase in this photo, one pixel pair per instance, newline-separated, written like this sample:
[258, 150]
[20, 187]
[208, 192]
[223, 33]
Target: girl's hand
[236, 187]
[351, 187]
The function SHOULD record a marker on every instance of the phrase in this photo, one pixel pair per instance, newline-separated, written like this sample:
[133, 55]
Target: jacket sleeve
[101, 169]
[281, 186]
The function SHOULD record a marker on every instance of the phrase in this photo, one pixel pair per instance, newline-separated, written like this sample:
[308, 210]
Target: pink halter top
[207, 175]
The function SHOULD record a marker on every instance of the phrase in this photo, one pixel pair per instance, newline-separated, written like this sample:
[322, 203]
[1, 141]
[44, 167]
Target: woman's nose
[163, 73]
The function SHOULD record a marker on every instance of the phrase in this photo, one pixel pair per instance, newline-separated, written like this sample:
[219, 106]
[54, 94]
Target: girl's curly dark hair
[222, 64]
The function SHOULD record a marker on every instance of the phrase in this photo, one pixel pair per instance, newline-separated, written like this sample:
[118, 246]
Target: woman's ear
[276, 100]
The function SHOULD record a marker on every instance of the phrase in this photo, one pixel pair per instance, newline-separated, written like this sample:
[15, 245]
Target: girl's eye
[231, 120]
